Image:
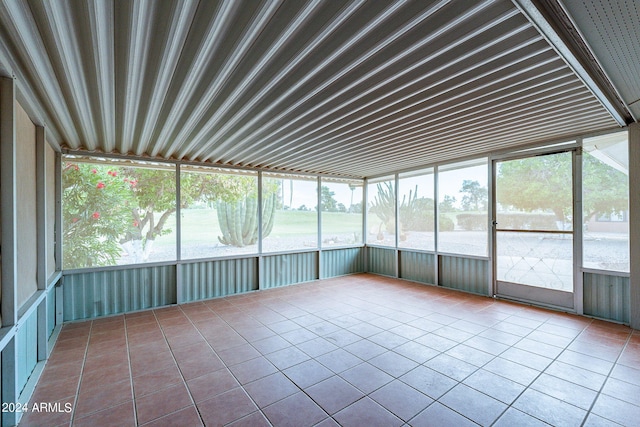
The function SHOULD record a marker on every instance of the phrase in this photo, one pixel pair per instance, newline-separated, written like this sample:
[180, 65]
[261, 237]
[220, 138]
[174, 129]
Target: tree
[447, 204]
[328, 202]
[545, 183]
[131, 211]
[96, 212]
[475, 196]
[290, 194]
[537, 183]
[352, 187]
[110, 208]
[605, 189]
[154, 191]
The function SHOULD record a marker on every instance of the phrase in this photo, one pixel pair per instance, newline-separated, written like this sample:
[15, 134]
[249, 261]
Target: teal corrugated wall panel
[338, 262]
[101, 293]
[210, 279]
[465, 274]
[381, 261]
[418, 266]
[607, 296]
[51, 310]
[27, 346]
[287, 269]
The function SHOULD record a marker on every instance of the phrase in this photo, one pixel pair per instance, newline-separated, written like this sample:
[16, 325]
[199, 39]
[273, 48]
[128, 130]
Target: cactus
[412, 210]
[384, 206]
[238, 219]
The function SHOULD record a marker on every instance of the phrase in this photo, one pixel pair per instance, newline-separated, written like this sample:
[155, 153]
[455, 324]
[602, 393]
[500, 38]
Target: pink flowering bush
[96, 212]
[108, 210]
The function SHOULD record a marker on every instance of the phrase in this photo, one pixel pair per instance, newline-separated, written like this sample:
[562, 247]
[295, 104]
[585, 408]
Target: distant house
[617, 222]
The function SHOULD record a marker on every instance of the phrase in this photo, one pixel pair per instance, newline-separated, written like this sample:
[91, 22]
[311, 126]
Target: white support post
[178, 215]
[436, 226]
[42, 255]
[365, 226]
[41, 206]
[319, 217]
[9, 306]
[58, 204]
[59, 294]
[260, 206]
[578, 291]
[491, 249]
[9, 310]
[634, 223]
[179, 293]
[396, 186]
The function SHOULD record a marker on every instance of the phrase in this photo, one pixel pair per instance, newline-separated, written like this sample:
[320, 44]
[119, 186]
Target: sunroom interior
[339, 207]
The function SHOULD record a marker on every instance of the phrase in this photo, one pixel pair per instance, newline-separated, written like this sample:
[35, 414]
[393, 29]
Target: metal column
[634, 223]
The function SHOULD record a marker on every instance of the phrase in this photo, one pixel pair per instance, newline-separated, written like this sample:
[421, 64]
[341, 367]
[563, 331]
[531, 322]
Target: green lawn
[291, 223]
[201, 225]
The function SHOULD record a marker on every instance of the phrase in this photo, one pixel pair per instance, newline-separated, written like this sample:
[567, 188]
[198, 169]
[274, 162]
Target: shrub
[527, 221]
[445, 223]
[96, 212]
[476, 221]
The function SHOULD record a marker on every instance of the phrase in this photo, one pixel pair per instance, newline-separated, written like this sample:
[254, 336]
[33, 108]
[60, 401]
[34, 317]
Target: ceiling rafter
[361, 95]
[367, 30]
[346, 87]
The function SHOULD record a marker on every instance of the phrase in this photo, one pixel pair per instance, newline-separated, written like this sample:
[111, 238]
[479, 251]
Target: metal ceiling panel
[612, 31]
[353, 88]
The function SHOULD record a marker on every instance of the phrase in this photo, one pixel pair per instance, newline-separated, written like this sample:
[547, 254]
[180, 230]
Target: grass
[200, 226]
[292, 223]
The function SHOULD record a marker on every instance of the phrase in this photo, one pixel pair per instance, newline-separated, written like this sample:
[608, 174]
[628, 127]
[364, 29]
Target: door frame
[572, 302]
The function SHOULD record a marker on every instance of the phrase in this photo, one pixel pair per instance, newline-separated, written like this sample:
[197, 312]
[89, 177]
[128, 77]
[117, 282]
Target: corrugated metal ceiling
[352, 88]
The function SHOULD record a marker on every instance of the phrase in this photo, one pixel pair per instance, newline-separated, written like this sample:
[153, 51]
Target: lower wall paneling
[210, 279]
[51, 310]
[287, 269]
[101, 293]
[338, 262]
[381, 261]
[418, 267]
[607, 296]
[27, 349]
[465, 274]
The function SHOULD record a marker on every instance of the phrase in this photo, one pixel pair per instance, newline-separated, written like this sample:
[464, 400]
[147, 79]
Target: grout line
[133, 394]
[239, 306]
[80, 383]
[225, 367]
[184, 381]
[458, 382]
[342, 328]
[84, 361]
[495, 357]
[540, 374]
[613, 366]
[361, 298]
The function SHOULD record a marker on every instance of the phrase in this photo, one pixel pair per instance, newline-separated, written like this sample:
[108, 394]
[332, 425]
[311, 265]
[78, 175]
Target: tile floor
[360, 350]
